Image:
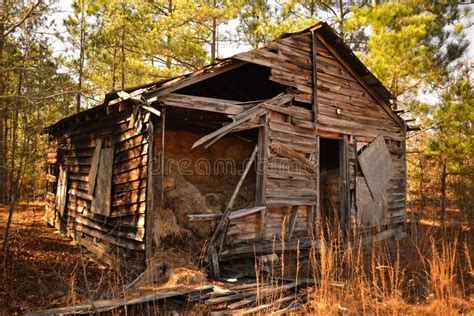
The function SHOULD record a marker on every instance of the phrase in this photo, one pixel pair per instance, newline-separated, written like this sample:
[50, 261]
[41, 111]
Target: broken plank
[204, 217]
[245, 212]
[202, 103]
[110, 304]
[249, 114]
[286, 152]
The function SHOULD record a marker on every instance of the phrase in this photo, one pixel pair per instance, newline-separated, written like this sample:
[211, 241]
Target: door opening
[330, 185]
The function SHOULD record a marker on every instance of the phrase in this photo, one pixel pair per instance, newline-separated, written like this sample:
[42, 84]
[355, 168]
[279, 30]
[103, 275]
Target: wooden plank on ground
[111, 304]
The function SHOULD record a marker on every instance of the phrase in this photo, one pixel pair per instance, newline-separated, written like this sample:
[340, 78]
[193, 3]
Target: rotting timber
[314, 143]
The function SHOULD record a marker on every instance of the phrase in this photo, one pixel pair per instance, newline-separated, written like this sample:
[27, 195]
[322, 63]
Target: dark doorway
[330, 185]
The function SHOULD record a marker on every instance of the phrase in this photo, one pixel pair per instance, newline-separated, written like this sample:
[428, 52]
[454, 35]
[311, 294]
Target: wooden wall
[363, 116]
[117, 233]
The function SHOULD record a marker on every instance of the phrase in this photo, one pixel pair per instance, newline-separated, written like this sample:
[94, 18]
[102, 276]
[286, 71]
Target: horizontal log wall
[361, 115]
[288, 185]
[118, 238]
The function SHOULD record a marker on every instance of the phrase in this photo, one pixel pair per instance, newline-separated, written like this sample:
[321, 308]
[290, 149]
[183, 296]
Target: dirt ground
[43, 268]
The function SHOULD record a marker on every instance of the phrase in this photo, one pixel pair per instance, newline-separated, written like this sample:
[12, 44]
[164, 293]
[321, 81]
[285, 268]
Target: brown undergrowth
[429, 272]
[44, 269]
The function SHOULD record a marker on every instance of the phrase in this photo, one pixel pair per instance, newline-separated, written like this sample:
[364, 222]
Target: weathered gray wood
[250, 114]
[150, 210]
[263, 307]
[223, 221]
[244, 117]
[376, 165]
[265, 293]
[102, 198]
[286, 152]
[314, 77]
[345, 187]
[94, 165]
[263, 159]
[292, 222]
[81, 194]
[151, 109]
[245, 212]
[204, 217]
[266, 248]
[202, 103]
[370, 211]
[262, 225]
[110, 304]
[241, 180]
[61, 192]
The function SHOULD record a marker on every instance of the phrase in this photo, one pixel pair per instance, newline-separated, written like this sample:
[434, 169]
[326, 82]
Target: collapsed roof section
[257, 64]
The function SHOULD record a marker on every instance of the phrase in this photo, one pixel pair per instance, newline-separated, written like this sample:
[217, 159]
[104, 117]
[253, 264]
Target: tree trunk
[168, 35]
[443, 192]
[114, 66]
[123, 49]
[2, 116]
[15, 128]
[14, 198]
[341, 18]
[214, 36]
[81, 58]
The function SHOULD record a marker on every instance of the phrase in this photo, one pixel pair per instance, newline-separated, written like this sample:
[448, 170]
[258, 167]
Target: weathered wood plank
[101, 203]
[202, 103]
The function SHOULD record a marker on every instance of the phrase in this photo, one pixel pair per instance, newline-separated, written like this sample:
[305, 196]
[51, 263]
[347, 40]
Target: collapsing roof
[151, 91]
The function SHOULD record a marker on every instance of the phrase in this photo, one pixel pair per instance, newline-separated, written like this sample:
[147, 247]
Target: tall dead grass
[432, 275]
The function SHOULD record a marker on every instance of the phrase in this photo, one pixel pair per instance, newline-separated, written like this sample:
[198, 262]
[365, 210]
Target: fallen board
[108, 305]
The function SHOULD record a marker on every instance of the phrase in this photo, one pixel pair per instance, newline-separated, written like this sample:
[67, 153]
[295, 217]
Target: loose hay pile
[178, 243]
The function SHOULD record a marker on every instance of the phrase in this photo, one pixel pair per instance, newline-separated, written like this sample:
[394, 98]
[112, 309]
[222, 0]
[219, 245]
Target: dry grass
[432, 274]
[429, 272]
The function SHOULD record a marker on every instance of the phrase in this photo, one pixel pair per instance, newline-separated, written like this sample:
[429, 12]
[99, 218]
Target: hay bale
[184, 198]
[170, 268]
[165, 226]
[185, 277]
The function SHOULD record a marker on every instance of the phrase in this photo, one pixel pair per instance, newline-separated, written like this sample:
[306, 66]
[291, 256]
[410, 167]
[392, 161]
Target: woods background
[54, 63]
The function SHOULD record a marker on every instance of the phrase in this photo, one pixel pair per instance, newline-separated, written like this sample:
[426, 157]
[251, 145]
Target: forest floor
[44, 269]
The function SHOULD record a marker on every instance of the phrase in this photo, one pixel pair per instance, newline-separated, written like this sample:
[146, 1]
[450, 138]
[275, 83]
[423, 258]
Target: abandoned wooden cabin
[295, 138]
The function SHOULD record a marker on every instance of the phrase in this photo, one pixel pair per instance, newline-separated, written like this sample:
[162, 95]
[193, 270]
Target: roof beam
[202, 103]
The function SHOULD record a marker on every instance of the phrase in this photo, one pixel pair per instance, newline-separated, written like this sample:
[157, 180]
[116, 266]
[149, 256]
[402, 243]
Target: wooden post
[263, 144]
[315, 77]
[150, 211]
[162, 156]
[345, 188]
[315, 210]
[152, 184]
